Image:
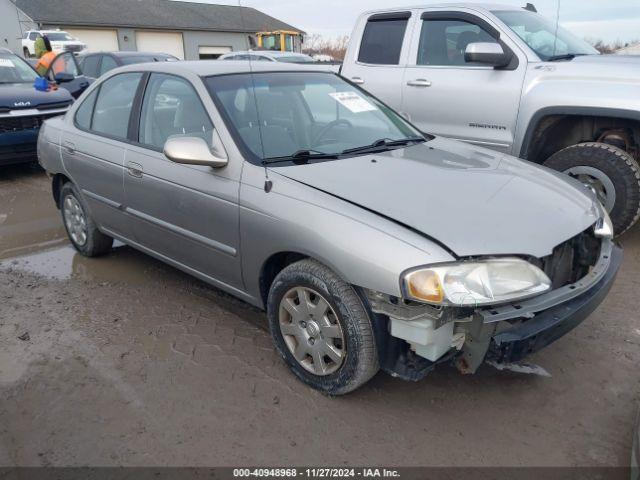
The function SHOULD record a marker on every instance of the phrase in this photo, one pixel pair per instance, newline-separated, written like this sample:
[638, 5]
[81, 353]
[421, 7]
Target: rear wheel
[82, 230]
[611, 172]
[321, 328]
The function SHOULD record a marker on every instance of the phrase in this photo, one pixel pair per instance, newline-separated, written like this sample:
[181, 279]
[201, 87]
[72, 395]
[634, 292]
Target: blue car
[23, 109]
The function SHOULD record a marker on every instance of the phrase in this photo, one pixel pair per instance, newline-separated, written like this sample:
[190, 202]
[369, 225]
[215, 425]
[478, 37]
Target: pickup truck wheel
[82, 230]
[321, 328]
[611, 172]
[25, 50]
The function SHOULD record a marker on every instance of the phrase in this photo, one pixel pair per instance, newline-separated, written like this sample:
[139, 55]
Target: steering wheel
[330, 126]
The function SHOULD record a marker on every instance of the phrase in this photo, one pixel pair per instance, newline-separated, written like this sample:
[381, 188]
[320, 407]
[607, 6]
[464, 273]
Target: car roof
[267, 53]
[206, 68]
[129, 54]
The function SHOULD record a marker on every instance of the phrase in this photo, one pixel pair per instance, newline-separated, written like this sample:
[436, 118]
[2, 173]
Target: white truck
[510, 80]
[60, 42]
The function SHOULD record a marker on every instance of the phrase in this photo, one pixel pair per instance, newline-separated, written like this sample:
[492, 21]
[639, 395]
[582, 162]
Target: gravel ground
[125, 361]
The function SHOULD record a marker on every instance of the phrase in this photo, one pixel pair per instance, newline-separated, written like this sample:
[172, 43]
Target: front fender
[551, 90]
[361, 247]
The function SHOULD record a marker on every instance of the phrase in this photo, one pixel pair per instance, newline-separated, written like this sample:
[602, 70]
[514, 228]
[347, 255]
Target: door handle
[419, 82]
[69, 147]
[135, 169]
[357, 80]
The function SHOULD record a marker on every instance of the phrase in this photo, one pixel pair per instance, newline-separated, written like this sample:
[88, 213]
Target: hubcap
[311, 330]
[75, 220]
[597, 181]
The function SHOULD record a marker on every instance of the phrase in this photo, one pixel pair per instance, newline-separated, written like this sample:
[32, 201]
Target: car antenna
[268, 184]
[531, 7]
[555, 40]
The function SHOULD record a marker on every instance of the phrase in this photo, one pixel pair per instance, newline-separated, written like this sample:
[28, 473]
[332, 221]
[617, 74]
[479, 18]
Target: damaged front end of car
[462, 312]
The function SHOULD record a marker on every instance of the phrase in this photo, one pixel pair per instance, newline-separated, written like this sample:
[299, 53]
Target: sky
[609, 20]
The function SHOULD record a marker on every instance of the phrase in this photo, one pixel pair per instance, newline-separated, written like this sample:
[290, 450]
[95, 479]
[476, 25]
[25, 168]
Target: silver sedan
[370, 244]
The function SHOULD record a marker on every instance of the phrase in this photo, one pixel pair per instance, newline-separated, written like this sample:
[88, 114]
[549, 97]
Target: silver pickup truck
[511, 80]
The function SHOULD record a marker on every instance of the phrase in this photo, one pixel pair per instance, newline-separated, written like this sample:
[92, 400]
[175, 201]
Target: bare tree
[334, 47]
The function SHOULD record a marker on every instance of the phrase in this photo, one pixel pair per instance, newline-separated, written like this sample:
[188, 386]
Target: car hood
[473, 201]
[24, 96]
[603, 68]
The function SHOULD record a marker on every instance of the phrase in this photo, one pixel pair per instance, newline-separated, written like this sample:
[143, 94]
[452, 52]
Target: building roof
[158, 14]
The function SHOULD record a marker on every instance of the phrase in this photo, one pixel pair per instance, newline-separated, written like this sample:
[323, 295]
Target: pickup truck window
[443, 42]
[544, 37]
[383, 38]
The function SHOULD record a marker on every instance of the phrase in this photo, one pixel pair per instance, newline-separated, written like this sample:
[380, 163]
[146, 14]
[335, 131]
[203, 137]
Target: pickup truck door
[377, 63]
[444, 95]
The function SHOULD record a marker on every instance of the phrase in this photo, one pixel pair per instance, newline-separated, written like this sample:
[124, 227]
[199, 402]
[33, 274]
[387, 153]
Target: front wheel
[27, 55]
[321, 328]
[82, 230]
[611, 172]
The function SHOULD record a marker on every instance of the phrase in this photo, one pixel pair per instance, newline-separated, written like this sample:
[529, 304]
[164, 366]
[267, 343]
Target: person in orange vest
[46, 58]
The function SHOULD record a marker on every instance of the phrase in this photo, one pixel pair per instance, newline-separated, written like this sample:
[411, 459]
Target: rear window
[383, 38]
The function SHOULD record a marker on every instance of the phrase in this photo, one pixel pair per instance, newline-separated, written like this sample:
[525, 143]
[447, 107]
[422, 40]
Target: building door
[212, 53]
[161, 42]
[97, 40]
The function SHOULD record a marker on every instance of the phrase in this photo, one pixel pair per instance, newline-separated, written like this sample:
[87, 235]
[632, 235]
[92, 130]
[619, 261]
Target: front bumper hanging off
[531, 335]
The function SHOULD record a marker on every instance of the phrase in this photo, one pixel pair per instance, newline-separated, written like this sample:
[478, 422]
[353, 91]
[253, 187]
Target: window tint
[382, 41]
[444, 42]
[33, 35]
[90, 65]
[171, 107]
[113, 107]
[108, 63]
[85, 112]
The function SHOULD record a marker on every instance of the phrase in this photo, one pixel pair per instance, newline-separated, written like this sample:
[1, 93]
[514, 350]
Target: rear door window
[383, 38]
[114, 104]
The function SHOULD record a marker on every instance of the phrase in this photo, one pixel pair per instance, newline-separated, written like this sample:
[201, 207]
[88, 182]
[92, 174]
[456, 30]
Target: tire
[615, 167]
[345, 316]
[26, 53]
[93, 243]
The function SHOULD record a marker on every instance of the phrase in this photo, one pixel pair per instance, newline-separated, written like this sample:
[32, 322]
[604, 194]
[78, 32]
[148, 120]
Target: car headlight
[604, 226]
[477, 283]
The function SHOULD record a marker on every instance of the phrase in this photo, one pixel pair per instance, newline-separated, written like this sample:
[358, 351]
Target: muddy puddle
[29, 220]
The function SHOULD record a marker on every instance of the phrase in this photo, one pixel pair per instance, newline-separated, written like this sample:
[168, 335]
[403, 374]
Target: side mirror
[194, 151]
[63, 77]
[487, 53]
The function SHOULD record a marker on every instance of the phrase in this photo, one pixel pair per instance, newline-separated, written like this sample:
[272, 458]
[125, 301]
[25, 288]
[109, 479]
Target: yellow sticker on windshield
[353, 101]
[5, 62]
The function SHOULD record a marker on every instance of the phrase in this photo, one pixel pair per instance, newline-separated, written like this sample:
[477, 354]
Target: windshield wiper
[302, 156]
[383, 144]
[566, 56]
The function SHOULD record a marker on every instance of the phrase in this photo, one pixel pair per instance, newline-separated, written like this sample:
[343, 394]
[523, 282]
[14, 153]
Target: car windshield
[15, 70]
[543, 36]
[302, 115]
[59, 37]
[294, 59]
